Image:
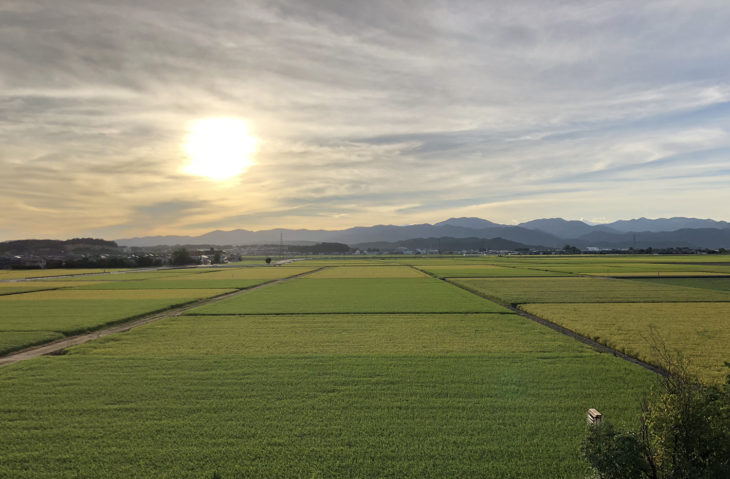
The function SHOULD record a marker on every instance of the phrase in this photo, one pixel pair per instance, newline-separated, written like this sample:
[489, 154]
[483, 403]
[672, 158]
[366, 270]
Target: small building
[594, 417]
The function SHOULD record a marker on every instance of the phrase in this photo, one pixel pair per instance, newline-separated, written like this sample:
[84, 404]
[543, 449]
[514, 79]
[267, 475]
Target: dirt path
[57, 347]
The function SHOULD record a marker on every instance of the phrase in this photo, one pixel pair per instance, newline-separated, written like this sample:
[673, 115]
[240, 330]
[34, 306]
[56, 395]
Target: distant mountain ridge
[666, 224]
[545, 232]
[445, 244]
[563, 228]
[473, 223]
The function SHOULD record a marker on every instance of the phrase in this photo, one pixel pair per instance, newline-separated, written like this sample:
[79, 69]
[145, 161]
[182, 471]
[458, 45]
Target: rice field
[485, 271]
[26, 319]
[337, 396]
[171, 283]
[700, 331]
[656, 274]
[9, 274]
[622, 265]
[354, 295]
[40, 306]
[719, 284]
[135, 275]
[362, 272]
[28, 286]
[305, 334]
[362, 367]
[260, 273]
[588, 290]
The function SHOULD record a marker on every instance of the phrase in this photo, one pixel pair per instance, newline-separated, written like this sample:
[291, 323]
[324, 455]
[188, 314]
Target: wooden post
[594, 417]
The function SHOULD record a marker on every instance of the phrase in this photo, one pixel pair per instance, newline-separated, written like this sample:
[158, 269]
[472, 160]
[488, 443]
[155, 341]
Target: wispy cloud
[366, 112]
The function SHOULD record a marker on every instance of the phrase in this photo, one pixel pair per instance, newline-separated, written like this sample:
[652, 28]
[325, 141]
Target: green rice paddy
[361, 295]
[720, 284]
[172, 283]
[701, 331]
[588, 290]
[9, 274]
[368, 396]
[28, 286]
[28, 318]
[362, 272]
[486, 271]
[365, 368]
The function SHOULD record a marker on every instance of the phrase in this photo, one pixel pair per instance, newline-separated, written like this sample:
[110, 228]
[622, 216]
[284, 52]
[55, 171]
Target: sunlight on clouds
[393, 113]
[219, 148]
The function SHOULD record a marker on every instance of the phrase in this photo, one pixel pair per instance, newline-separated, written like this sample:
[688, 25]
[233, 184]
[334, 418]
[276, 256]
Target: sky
[358, 113]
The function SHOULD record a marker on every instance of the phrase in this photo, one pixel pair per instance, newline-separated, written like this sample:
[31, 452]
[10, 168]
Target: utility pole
[281, 245]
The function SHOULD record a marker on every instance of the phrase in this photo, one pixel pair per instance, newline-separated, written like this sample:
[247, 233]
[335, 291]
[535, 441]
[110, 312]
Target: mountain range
[546, 232]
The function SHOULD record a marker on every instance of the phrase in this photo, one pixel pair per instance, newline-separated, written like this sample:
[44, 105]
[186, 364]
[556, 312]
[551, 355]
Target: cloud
[365, 111]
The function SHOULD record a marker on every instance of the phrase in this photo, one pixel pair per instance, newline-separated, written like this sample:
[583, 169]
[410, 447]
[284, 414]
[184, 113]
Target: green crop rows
[485, 271]
[339, 396]
[28, 286]
[720, 284]
[28, 318]
[589, 290]
[701, 331]
[354, 295]
[368, 367]
[38, 306]
[688, 315]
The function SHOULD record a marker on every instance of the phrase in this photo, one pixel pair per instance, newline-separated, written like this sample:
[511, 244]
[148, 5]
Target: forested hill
[47, 246]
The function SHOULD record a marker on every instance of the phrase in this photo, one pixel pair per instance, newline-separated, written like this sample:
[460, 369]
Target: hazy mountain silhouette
[563, 228]
[473, 223]
[666, 224]
[547, 232]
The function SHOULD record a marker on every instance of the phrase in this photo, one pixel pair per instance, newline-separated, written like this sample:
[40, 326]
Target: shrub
[684, 433]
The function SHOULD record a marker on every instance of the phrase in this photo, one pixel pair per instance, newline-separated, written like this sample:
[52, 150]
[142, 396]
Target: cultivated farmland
[701, 331]
[363, 272]
[689, 315]
[50, 309]
[485, 271]
[28, 286]
[588, 290]
[720, 284]
[30, 318]
[355, 295]
[410, 395]
[43, 273]
[363, 368]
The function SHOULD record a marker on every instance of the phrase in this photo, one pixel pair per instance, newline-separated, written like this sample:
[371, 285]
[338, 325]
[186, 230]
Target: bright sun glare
[219, 148]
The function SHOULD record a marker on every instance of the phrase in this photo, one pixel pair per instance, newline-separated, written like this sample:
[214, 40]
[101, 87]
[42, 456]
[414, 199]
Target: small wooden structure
[594, 417]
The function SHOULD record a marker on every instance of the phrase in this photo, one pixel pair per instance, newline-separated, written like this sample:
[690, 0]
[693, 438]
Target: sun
[219, 148]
